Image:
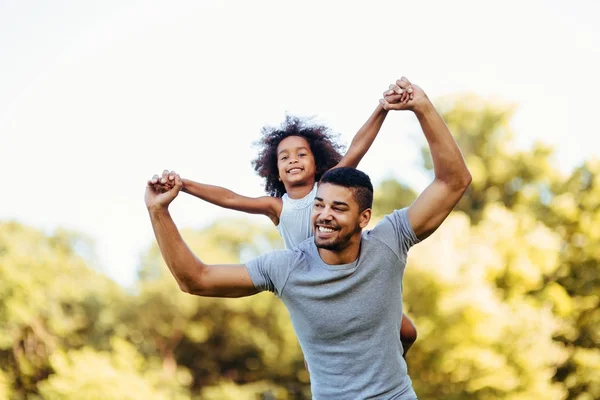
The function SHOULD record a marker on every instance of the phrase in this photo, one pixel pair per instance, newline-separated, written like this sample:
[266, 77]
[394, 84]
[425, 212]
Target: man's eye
[318, 206]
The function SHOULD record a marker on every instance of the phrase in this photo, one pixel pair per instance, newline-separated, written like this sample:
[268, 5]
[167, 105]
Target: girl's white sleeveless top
[294, 221]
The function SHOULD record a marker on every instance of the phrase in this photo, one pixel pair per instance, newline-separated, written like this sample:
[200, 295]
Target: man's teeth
[323, 229]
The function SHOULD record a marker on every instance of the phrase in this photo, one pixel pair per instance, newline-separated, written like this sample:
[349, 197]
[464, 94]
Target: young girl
[292, 160]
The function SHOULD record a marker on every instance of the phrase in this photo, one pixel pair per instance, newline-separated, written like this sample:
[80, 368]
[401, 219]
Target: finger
[403, 83]
[175, 185]
[156, 187]
[404, 97]
[178, 181]
[153, 184]
[384, 104]
[165, 176]
[396, 88]
[154, 178]
[163, 188]
[396, 98]
[388, 92]
[172, 175]
[387, 105]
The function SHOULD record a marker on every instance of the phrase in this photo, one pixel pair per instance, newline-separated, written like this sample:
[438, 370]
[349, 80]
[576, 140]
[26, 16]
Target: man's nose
[325, 215]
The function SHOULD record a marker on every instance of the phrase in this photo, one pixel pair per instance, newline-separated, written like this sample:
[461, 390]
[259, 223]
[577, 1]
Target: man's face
[295, 160]
[336, 218]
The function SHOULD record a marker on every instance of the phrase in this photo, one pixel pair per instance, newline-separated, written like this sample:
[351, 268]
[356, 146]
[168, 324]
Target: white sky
[95, 97]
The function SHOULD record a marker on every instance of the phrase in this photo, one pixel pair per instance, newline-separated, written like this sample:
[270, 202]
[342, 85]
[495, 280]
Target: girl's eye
[318, 205]
[302, 154]
[283, 158]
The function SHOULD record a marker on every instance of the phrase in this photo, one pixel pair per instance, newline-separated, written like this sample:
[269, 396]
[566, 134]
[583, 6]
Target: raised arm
[266, 205]
[192, 275]
[452, 176]
[364, 138]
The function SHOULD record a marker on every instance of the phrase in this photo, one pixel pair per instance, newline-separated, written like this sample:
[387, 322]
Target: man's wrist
[423, 107]
[158, 210]
[183, 185]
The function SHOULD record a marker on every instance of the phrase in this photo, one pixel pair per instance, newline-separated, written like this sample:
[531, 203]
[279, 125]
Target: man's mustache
[327, 225]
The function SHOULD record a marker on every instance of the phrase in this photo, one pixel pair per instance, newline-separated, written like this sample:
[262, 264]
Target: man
[343, 288]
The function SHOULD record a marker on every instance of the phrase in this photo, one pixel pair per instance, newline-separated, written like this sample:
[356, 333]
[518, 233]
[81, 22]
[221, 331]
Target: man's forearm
[182, 263]
[364, 138]
[448, 163]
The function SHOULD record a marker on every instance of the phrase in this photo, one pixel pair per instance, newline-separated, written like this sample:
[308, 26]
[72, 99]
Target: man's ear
[364, 218]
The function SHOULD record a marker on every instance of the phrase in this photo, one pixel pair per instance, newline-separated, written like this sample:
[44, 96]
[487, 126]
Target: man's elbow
[185, 287]
[459, 183]
[466, 180]
[191, 284]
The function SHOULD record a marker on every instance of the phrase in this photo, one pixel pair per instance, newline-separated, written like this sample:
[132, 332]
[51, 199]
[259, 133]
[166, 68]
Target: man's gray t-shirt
[347, 317]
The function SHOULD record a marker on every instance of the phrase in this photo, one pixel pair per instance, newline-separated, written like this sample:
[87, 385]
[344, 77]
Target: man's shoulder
[299, 251]
[390, 219]
[306, 246]
[391, 227]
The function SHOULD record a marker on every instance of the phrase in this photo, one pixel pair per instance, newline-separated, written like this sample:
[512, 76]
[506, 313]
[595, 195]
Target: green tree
[60, 321]
[501, 173]
[50, 299]
[529, 182]
[390, 195]
[476, 341]
[574, 212]
[119, 374]
[5, 391]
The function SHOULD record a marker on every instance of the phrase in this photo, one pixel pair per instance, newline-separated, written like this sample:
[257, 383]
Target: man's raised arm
[452, 176]
[192, 275]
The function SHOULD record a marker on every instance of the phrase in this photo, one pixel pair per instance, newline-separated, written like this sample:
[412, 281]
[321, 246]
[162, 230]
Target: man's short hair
[353, 179]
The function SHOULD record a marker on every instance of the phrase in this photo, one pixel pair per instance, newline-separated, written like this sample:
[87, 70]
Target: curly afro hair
[326, 151]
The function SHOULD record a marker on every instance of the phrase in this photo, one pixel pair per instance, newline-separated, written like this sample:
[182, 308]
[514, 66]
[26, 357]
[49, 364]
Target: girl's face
[295, 161]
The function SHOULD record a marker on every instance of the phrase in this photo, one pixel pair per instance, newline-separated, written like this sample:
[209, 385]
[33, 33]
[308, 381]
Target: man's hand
[403, 95]
[163, 183]
[161, 191]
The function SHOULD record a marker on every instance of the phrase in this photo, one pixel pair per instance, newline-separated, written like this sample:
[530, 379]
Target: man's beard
[338, 244]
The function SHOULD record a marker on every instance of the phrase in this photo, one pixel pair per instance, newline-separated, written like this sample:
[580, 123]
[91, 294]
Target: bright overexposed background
[96, 97]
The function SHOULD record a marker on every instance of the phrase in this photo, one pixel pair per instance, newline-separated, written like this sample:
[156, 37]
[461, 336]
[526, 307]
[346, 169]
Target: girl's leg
[408, 333]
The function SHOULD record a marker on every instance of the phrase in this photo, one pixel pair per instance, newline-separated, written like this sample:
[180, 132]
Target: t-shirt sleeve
[395, 231]
[270, 271]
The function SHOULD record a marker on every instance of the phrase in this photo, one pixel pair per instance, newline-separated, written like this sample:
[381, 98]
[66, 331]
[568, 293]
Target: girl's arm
[266, 205]
[363, 139]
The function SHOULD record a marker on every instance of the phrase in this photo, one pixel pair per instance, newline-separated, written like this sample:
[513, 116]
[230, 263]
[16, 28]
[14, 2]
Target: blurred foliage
[505, 296]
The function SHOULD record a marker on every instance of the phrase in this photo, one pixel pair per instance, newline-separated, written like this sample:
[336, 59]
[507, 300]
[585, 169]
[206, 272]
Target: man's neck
[345, 256]
[300, 190]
